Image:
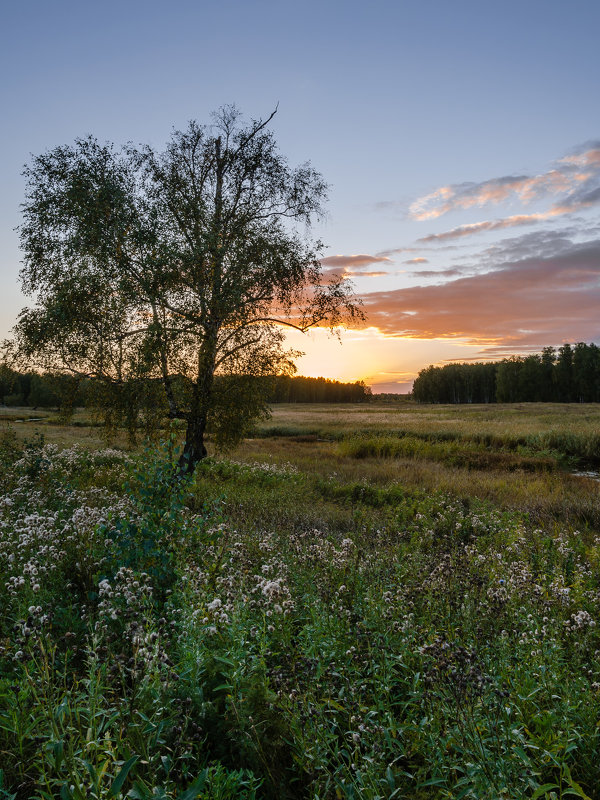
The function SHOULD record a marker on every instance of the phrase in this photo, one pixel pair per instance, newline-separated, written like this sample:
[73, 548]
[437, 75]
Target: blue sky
[476, 123]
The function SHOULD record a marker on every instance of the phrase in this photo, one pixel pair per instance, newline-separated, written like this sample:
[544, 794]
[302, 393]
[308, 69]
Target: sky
[461, 143]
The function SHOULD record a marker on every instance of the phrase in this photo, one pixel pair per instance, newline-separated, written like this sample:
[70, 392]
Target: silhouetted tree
[175, 266]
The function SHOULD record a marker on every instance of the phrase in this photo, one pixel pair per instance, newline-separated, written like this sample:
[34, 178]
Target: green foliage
[299, 389]
[239, 402]
[138, 405]
[453, 451]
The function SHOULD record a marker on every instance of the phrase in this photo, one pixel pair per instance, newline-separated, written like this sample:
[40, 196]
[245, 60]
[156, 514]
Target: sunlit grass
[81, 429]
[495, 452]
[573, 426]
[518, 456]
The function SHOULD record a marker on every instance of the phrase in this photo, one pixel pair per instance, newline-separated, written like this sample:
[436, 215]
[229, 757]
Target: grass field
[518, 456]
[359, 602]
[528, 457]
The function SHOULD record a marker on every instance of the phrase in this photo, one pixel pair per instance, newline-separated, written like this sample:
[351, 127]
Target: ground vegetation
[299, 620]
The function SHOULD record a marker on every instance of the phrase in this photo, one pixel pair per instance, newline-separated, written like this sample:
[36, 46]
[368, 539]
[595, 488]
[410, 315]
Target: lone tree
[176, 271]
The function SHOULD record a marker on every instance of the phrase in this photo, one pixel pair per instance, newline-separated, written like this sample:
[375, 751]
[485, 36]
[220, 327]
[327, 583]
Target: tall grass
[453, 451]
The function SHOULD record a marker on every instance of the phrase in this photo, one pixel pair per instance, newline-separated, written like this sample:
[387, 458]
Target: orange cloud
[534, 301]
[417, 261]
[353, 265]
[587, 158]
[354, 261]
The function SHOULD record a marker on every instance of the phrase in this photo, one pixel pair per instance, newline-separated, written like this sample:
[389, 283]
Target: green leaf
[167, 763]
[92, 771]
[223, 686]
[58, 751]
[120, 779]
[521, 753]
[433, 782]
[575, 788]
[138, 792]
[65, 793]
[222, 660]
[332, 703]
[547, 787]
[389, 775]
[576, 791]
[192, 791]
[61, 710]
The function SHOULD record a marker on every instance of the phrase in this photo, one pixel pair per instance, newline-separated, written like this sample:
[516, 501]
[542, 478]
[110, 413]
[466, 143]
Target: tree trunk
[194, 449]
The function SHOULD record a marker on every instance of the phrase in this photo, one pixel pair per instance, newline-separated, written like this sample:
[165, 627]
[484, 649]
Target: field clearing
[26, 423]
[520, 457]
[503, 420]
[507, 422]
[517, 419]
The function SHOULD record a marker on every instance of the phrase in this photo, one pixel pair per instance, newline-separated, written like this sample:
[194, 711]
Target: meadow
[361, 601]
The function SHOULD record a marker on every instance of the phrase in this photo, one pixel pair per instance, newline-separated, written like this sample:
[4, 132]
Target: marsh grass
[518, 456]
[81, 429]
[548, 496]
[572, 430]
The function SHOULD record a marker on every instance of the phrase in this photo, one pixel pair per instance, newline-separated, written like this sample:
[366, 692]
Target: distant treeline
[39, 391]
[570, 374]
[59, 391]
[318, 390]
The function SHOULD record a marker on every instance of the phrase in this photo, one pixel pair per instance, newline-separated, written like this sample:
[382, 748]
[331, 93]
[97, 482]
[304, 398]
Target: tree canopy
[163, 270]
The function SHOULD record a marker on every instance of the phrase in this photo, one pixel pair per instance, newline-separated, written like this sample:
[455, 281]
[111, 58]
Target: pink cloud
[353, 262]
[588, 158]
[566, 179]
[493, 225]
[528, 302]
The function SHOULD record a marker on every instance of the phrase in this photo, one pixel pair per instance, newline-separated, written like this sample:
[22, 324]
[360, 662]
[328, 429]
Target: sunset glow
[386, 363]
[464, 181]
